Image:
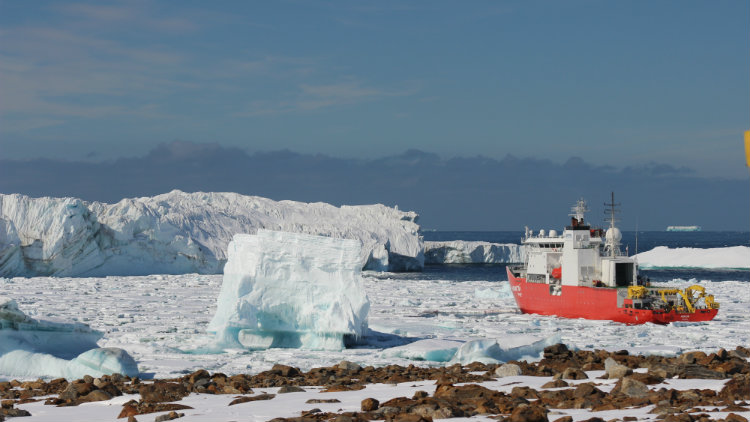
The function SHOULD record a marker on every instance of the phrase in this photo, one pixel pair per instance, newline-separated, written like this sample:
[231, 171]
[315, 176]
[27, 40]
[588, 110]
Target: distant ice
[39, 348]
[472, 252]
[178, 232]
[290, 290]
[736, 257]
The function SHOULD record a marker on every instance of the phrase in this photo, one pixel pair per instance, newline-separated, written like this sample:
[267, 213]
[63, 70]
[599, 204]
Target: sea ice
[290, 290]
[39, 348]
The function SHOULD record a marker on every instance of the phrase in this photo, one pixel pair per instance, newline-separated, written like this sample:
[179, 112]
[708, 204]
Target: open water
[646, 241]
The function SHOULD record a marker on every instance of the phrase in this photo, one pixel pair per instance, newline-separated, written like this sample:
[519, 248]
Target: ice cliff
[40, 348]
[182, 232]
[466, 252]
[290, 290]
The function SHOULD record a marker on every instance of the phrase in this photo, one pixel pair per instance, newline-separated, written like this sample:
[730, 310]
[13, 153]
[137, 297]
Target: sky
[617, 83]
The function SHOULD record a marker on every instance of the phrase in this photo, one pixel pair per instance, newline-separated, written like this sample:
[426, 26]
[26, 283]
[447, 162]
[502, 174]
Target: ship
[582, 273]
[684, 228]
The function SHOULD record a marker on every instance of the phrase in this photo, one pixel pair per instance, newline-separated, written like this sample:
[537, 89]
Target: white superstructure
[580, 256]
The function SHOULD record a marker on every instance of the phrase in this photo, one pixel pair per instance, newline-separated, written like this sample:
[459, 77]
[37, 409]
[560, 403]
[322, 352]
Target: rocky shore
[623, 381]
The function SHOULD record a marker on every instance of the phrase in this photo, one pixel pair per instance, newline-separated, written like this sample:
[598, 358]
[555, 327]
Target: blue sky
[613, 82]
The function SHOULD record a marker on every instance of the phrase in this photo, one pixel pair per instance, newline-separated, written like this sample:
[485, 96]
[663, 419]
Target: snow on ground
[161, 321]
[664, 257]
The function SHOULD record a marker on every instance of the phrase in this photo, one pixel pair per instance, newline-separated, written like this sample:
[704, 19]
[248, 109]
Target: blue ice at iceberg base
[290, 290]
[38, 348]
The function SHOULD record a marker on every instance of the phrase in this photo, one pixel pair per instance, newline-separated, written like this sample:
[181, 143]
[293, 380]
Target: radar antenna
[578, 210]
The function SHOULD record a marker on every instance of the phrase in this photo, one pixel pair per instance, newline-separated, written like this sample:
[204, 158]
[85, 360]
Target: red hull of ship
[591, 303]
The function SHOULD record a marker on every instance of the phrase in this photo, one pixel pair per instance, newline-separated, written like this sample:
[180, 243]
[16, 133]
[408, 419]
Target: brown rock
[291, 389]
[564, 419]
[555, 384]
[132, 408]
[338, 388]
[160, 392]
[556, 351]
[169, 416]
[246, 399]
[96, 395]
[630, 387]
[613, 369]
[733, 417]
[690, 357]
[77, 389]
[647, 378]
[285, 371]
[316, 401]
[574, 374]
[588, 390]
[527, 413]
[370, 404]
[738, 388]
[410, 417]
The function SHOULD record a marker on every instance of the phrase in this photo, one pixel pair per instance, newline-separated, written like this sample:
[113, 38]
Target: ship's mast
[613, 240]
[578, 210]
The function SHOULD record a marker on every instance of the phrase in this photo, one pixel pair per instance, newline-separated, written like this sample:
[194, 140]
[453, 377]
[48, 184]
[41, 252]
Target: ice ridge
[179, 232]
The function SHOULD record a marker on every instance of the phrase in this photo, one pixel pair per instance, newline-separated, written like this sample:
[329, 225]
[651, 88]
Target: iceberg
[41, 348]
[732, 257]
[290, 290]
[178, 233]
[472, 252]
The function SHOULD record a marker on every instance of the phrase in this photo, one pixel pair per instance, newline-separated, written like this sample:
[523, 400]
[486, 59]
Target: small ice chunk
[429, 349]
[290, 290]
[103, 361]
[515, 348]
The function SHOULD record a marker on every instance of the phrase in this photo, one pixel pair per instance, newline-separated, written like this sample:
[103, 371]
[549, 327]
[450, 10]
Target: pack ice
[39, 348]
[290, 290]
[180, 232]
